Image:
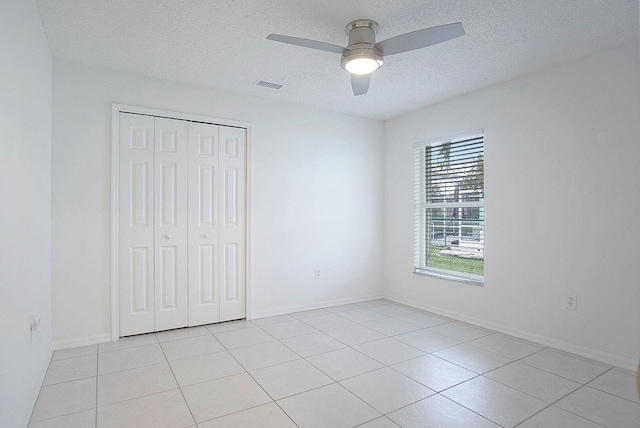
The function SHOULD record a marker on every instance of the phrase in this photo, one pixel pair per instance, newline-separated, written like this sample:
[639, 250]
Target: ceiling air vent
[270, 85]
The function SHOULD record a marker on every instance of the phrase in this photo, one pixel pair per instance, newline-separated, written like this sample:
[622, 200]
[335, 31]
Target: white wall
[562, 205]
[25, 198]
[315, 196]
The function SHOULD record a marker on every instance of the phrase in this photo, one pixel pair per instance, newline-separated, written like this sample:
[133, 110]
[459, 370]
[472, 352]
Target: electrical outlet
[571, 302]
[316, 274]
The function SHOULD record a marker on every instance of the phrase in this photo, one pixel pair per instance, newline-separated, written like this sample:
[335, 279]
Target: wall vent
[267, 84]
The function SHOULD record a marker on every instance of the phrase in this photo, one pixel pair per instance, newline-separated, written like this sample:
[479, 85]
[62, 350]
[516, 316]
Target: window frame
[421, 205]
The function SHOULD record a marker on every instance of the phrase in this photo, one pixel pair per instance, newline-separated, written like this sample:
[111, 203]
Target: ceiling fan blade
[360, 83]
[313, 44]
[421, 38]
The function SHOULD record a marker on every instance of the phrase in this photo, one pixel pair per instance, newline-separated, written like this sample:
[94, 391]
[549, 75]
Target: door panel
[204, 283]
[206, 272]
[170, 164]
[168, 194]
[140, 270]
[230, 272]
[140, 195]
[231, 201]
[206, 196]
[168, 278]
[232, 229]
[135, 240]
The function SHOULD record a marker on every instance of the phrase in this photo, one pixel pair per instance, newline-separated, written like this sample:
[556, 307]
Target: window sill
[450, 277]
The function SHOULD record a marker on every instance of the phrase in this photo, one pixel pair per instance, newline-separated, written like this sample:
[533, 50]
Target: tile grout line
[568, 411]
[186, 403]
[258, 383]
[370, 371]
[317, 368]
[446, 398]
[548, 405]
[555, 374]
[610, 393]
[435, 392]
[582, 416]
[496, 368]
[522, 392]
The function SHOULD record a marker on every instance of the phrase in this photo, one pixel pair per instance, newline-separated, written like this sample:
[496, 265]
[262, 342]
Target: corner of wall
[34, 391]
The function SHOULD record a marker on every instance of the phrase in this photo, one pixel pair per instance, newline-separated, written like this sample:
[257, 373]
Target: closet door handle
[167, 236]
[205, 235]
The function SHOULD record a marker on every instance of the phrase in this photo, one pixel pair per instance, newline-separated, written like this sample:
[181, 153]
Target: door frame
[116, 109]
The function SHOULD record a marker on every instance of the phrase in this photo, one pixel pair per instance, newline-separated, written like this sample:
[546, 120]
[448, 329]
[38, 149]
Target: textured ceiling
[221, 43]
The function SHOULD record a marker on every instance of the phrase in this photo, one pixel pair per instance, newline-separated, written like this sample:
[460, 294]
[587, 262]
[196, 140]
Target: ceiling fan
[363, 55]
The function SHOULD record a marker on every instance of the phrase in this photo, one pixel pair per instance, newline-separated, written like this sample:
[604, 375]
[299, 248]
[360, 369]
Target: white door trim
[116, 109]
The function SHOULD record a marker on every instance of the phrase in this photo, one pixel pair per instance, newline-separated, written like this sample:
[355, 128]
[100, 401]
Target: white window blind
[449, 207]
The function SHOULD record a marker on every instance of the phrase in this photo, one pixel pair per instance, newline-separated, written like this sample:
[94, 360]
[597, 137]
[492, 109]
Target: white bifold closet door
[217, 208]
[182, 206]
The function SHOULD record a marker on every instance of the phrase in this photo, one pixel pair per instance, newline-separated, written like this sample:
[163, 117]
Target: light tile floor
[371, 364]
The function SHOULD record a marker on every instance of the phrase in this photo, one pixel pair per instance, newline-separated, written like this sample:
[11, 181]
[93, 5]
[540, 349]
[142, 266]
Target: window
[449, 207]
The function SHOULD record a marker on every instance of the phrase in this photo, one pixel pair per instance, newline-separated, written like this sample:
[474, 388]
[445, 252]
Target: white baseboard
[593, 354]
[104, 338]
[82, 341]
[30, 403]
[311, 306]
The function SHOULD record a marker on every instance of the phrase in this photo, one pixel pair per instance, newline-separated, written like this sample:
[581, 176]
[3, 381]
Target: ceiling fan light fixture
[362, 56]
[362, 61]
[362, 65]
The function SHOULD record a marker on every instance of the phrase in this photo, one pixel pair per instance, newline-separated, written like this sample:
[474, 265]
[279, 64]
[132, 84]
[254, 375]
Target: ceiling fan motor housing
[362, 42]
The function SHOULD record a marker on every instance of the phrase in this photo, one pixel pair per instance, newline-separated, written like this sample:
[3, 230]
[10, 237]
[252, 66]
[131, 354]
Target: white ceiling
[221, 43]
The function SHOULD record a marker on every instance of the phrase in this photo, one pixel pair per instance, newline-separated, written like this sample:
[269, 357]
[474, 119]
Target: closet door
[171, 295]
[204, 282]
[182, 223]
[136, 224]
[232, 189]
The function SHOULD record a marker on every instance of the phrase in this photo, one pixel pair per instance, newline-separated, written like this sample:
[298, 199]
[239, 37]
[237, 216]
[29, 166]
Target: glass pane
[455, 239]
